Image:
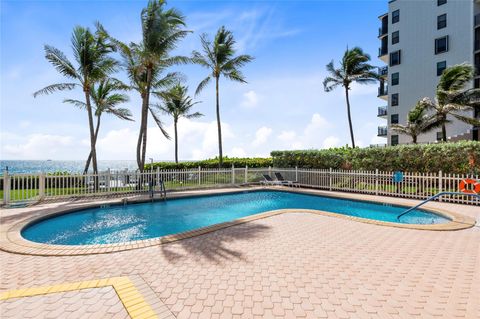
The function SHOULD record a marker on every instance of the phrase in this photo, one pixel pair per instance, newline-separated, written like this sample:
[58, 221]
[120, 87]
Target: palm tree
[452, 97]
[91, 52]
[418, 122]
[148, 60]
[219, 57]
[106, 98]
[354, 67]
[177, 104]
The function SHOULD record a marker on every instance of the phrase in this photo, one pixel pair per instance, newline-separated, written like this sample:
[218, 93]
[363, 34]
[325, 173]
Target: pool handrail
[434, 197]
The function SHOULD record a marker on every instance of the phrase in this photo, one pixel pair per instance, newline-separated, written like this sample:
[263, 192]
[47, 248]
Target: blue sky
[283, 106]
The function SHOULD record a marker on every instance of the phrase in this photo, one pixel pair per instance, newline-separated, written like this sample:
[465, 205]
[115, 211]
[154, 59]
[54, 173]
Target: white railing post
[376, 181]
[233, 173]
[440, 184]
[330, 179]
[199, 176]
[296, 174]
[41, 186]
[246, 174]
[107, 182]
[6, 188]
[157, 181]
[270, 171]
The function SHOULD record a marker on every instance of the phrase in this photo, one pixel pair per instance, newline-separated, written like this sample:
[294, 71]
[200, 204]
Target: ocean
[18, 167]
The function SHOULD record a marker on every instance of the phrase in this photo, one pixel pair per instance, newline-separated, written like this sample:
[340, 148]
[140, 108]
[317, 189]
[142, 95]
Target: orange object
[474, 190]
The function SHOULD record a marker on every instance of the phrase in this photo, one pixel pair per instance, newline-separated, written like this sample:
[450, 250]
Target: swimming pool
[119, 223]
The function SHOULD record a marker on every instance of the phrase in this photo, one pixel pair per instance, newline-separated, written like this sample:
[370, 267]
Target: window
[442, 21]
[395, 16]
[394, 140]
[441, 45]
[440, 67]
[394, 101]
[394, 119]
[395, 78]
[395, 37]
[439, 136]
[441, 2]
[395, 58]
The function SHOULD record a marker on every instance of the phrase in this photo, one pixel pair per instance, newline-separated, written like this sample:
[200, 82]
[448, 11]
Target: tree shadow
[216, 246]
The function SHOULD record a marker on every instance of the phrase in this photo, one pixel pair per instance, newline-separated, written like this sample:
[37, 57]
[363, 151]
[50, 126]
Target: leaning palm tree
[106, 98]
[91, 52]
[219, 57]
[147, 61]
[418, 122]
[354, 67]
[177, 104]
[452, 97]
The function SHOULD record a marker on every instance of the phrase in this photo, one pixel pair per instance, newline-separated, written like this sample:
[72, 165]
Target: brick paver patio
[295, 265]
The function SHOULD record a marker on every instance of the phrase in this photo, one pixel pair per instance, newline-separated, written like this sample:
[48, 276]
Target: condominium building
[419, 39]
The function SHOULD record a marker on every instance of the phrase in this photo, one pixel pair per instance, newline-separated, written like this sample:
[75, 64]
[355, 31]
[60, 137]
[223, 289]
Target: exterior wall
[418, 69]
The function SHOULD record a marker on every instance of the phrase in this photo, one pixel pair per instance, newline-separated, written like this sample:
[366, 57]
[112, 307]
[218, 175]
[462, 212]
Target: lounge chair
[267, 180]
[280, 178]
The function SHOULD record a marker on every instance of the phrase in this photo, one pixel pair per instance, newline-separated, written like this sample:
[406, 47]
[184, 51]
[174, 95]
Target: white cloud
[250, 99]
[38, 146]
[331, 141]
[261, 136]
[287, 136]
[237, 152]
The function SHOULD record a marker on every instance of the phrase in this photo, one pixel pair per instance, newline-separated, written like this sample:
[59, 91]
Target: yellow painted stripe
[128, 294]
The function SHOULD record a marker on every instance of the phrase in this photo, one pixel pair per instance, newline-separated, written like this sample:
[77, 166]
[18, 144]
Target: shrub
[254, 162]
[458, 158]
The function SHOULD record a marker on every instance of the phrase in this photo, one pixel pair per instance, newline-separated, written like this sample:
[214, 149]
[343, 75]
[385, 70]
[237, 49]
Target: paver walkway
[295, 265]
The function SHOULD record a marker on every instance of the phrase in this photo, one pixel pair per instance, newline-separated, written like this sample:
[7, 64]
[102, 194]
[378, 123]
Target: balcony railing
[382, 131]
[383, 71]
[382, 91]
[382, 111]
[382, 31]
[477, 45]
[382, 51]
[477, 20]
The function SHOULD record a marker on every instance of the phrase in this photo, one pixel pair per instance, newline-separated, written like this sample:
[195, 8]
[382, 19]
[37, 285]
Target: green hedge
[213, 163]
[458, 158]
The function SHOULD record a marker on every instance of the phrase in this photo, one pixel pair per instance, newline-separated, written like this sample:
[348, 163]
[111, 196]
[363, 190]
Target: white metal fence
[35, 187]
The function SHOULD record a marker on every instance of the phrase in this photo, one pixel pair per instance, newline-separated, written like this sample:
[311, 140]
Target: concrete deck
[296, 265]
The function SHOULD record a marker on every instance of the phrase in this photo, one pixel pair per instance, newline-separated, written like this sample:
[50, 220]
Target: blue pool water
[119, 223]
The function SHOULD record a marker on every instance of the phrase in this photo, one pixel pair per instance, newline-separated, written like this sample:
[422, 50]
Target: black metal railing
[382, 90]
[382, 131]
[383, 71]
[477, 20]
[382, 111]
[382, 51]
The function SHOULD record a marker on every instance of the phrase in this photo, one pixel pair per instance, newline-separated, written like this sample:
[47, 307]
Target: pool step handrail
[434, 197]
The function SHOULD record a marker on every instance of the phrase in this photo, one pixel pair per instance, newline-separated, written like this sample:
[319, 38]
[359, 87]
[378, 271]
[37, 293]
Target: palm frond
[203, 84]
[81, 105]
[55, 88]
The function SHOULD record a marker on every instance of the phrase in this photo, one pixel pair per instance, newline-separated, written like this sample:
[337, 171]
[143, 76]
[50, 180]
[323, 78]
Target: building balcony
[382, 131]
[383, 50]
[383, 72]
[383, 92]
[382, 112]
[476, 21]
[382, 31]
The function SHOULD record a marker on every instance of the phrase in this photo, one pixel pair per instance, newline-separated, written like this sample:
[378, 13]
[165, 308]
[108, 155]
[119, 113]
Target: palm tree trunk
[219, 125]
[92, 132]
[97, 128]
[142, 136]
[349, 117]
[176, 140]
[444, 132]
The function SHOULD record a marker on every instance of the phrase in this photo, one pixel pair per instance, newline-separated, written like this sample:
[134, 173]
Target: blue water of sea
[37, 166]
[120, 223]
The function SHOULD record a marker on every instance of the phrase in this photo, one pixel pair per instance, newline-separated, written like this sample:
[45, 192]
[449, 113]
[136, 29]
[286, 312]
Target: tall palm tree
[354, 67]
[452, 97]
[177, 104]
[91, 52]
[147, 61]
[106, 97]
[418, 122]
[219, 57]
